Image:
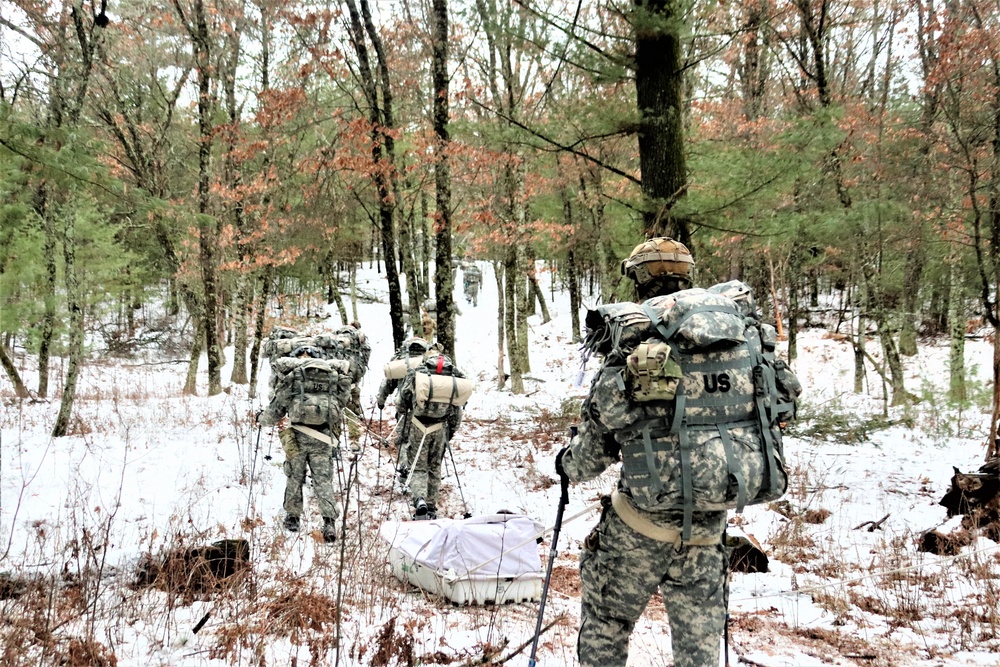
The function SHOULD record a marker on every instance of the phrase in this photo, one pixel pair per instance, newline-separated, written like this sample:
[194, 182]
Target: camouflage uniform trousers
[317, 456]
[425, 480]
[402, 441]
[624, 571]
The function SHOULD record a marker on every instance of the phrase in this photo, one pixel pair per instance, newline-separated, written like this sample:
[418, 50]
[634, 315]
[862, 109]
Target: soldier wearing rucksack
[409, 355]
[472, 277]
[689, 398]
[312, 392]
[431, 399]
[349, 344]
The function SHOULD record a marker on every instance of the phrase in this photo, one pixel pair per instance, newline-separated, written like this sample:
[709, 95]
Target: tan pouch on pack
[654, 375]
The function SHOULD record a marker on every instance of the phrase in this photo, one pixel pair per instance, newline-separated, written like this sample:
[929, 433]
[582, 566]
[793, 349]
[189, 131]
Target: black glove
[559, 462]
[381, 404]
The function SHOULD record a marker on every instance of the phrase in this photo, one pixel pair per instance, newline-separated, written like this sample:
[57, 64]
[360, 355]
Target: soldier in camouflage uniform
[430, 431]
[412, 347]
[303, 451]
[621, 568]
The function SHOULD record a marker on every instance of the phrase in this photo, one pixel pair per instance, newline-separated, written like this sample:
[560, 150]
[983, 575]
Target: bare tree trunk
[243, 304]
[76, 332]
[521, 311]
[352, 276]
[957, 390]
[380, 114]
[191, 381]
[444, 276]
[513, 352]
[536, 295]
[258, 330]
[410, 269]
[572, 272]
[498, 271]
[208, 226]
[572, 277]
[659, 97]
[859, 353]
[20, 390]
[49, 246]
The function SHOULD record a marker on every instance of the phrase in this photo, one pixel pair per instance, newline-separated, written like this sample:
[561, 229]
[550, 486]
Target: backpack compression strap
[679, 425]
[763, 389]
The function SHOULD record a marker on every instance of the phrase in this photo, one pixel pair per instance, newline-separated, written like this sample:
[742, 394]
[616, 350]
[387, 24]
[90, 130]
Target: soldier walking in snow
[472, 277]
[312, 392]
[409, 355]
[431, 399]
[695, 423]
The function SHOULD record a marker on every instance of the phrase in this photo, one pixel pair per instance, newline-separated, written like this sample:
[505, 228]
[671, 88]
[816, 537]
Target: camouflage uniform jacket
[594, 449]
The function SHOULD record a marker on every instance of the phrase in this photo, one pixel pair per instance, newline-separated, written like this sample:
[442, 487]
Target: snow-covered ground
[148, 468]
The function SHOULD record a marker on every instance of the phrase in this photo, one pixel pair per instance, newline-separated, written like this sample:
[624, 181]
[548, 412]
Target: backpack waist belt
[427, 429]
[313, 433]
[631, 517]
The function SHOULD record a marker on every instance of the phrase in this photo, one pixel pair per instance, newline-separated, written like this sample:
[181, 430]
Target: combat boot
[329, 530]
[292, 523]
[420, 514]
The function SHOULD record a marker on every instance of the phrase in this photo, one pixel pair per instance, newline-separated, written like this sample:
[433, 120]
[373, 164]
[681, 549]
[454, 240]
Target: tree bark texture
[76, 333]
[380, 115]
[444, 275]
[659, 85]
[511, 276]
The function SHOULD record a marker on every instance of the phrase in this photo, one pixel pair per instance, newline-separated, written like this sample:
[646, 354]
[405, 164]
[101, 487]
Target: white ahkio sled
[490, 559]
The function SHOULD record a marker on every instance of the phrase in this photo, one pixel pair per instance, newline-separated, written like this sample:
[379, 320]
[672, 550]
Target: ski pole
[563, 501]
[467, 515]
[380, 435]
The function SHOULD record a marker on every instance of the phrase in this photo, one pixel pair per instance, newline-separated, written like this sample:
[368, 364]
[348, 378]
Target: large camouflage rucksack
[349, 344]
[282, 343]
[313, 391]
[438, 387]
[692, 398]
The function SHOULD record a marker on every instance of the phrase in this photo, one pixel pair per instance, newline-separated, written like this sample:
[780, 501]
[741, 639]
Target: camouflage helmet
[656, 258]
[416, 345]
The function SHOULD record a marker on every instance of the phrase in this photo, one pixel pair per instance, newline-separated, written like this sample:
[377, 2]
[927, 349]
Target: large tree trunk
[380, 114]
[659, 84]
[208, 226]
[444, 276]
[242, 297]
